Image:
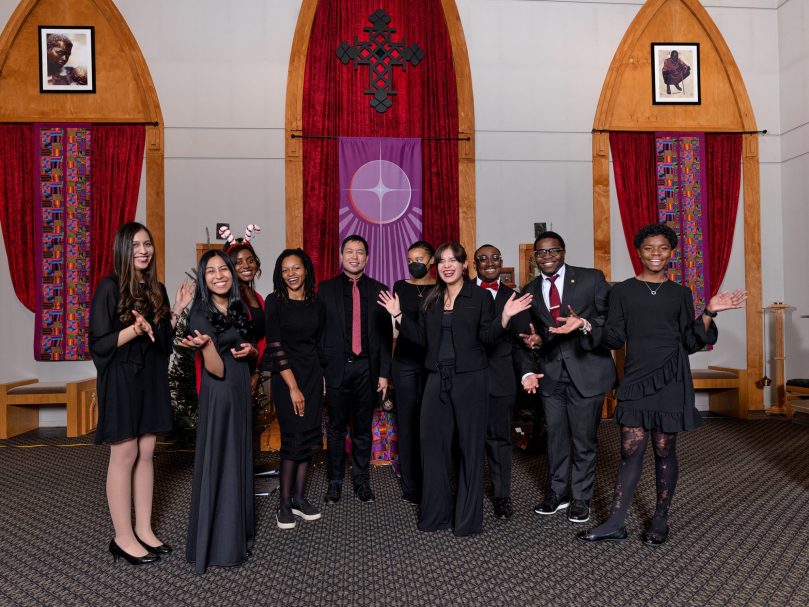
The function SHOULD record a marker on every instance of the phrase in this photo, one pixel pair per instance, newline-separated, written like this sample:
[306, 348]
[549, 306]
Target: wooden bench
[19, 401]
[796, 396]
[727, 389]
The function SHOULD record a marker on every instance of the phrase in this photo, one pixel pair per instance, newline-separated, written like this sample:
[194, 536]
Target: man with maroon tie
[577, 372]
[355, 347]
[504, 360]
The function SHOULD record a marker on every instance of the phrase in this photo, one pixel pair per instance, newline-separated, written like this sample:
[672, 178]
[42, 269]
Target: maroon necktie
[554, 300]
[356, 318]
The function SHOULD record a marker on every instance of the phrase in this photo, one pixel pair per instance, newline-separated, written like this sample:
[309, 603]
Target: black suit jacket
[333, 339]
[589, 365]
[474, 328]
[505, 357]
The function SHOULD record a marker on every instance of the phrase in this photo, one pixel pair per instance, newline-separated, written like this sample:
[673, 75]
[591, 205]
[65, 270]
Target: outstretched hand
[185, 294]
[727, 301]
[390, 303]
[531, 339]
[531, 382]
[198, 340]
[142, 325]
[569, 323]
[515, 305]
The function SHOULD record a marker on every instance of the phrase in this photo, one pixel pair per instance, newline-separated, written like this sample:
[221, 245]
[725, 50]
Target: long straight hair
[143, 293]
[237, 315]
[437, 292]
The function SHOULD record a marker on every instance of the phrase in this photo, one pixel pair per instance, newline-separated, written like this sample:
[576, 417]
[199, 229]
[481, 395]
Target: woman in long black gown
[294, 325]
[221, 525]
[654, 317]
[408, 370]
[131, 333]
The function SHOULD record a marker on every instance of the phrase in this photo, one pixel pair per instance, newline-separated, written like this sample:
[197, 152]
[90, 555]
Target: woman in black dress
[131, 333]
[221, 525]
[408, 370]
[294, 325]
[654, 317]
[456, 323]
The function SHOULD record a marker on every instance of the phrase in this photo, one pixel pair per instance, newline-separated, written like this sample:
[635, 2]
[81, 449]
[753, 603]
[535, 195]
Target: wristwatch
[710, 314]
[586, 327]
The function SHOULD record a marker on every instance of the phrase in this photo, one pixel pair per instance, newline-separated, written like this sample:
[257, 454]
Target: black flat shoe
[161, 549]
[617, 536]
[655, 539]
[117, 553]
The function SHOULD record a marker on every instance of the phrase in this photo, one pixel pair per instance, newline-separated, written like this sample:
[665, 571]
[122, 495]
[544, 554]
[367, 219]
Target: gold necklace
[222, 309]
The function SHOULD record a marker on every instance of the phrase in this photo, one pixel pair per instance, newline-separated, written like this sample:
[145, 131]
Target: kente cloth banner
[380, 199]
[62, 207]
[681, 203]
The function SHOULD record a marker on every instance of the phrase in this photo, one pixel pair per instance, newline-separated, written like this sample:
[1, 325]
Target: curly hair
[53, 39]
[549, 234]
[656, 229]
[279, 286]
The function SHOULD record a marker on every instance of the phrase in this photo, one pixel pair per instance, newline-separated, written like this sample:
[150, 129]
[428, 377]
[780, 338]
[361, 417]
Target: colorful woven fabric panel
[63, 252]
[681, 204]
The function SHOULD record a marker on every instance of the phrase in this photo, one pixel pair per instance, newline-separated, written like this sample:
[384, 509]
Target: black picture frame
[77, 73]
[681, 85]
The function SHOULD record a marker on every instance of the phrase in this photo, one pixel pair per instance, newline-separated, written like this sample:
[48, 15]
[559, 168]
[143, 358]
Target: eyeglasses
[548, 252]
[485, 258]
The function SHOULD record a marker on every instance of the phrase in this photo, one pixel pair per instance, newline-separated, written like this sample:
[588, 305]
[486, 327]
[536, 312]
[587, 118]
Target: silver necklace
[659, 284]
[222, 310]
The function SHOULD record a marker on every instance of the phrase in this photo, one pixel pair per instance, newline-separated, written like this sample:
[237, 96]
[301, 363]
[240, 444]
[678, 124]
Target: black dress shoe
[650, 538]
[551, 504]
[161, 549]
[117, 553]
[502, 507]
[333, 494]
[579, 511]
[411, 498]
[617, 536]
[364, 492]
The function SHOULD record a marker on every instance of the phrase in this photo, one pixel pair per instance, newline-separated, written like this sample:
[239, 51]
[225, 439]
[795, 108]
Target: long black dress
[293, 332]
[660, 331]
[133, 380]
[221, 526]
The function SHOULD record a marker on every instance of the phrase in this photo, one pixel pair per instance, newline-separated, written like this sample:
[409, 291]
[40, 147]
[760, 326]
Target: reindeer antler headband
[250, 231]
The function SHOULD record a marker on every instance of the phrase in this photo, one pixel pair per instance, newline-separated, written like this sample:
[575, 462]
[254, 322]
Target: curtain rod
[762, 132]
[100, 122]
[294, 136]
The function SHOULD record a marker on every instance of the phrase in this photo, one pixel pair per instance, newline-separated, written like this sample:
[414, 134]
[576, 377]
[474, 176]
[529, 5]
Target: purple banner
[380, 199]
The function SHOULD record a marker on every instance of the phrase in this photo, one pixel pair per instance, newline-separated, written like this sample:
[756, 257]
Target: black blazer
[474, 327]
[505, 357]
[589, 365]
[332, 340]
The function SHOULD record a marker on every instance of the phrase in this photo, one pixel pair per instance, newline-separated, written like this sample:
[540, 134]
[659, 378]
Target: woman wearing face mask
[408, 370]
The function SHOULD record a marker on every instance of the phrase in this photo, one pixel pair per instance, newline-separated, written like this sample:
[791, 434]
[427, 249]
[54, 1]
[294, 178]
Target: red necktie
[494, 286]
[554, 300]
[356, 318]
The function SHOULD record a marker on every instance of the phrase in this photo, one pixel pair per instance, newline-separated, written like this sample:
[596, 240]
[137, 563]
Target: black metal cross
[381, 54]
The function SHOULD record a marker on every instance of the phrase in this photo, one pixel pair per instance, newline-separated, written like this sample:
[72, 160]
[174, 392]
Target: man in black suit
[577, 371]
[504, 359]
[356, 347]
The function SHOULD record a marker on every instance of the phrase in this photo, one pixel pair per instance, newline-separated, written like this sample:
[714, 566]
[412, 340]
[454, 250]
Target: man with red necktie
[577, 373]
[503, 363]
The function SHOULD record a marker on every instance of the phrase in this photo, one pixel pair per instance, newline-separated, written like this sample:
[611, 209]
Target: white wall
[537, 66]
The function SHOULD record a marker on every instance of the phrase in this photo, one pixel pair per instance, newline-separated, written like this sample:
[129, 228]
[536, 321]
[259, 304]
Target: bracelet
[709, 313]
[586, 327]
[397, 316]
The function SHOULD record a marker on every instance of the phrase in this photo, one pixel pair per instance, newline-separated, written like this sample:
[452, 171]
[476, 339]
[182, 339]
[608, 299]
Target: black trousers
[453, 403]
[498, 443]
[572, 424]
[408, 382]
[353, 400]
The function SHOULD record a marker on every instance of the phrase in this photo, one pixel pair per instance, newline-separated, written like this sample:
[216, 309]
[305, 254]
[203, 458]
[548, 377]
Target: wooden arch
[125, 92]
[294, 122]
[626, 105]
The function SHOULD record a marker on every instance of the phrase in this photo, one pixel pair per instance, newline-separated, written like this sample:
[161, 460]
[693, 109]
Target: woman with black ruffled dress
[654, 317]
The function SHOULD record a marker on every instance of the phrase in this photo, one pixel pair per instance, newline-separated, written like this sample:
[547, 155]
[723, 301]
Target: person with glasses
[456, 323]
[577, 370]
[504, 359]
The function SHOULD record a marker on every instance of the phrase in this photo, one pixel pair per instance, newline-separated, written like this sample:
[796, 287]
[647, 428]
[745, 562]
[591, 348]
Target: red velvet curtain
[633, 161]
[117, 164]
[723, 176]
[17, 207]
[334, 104]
